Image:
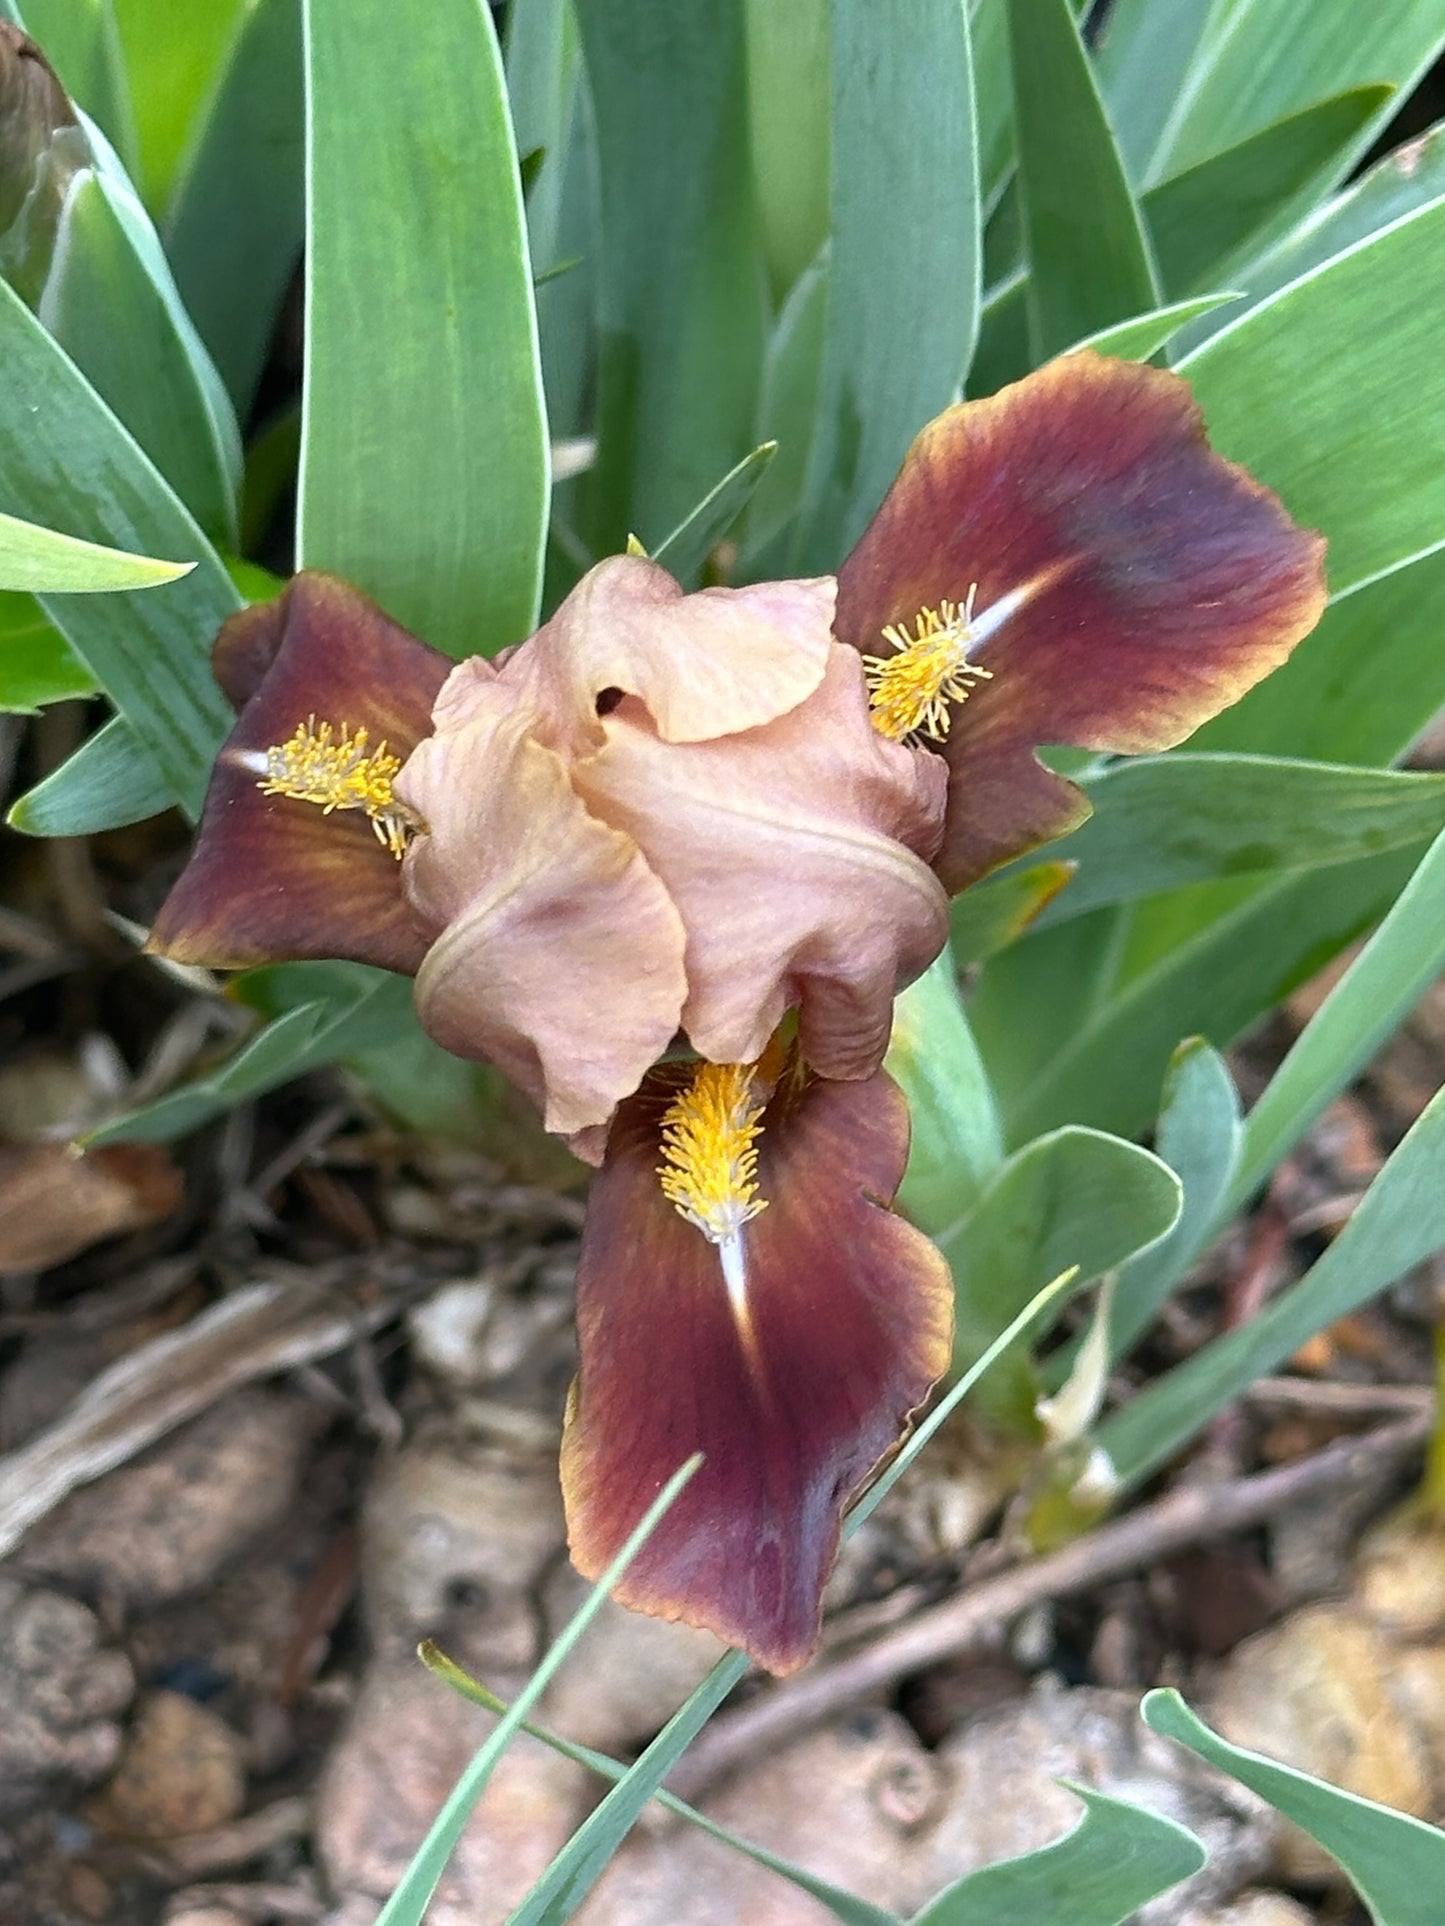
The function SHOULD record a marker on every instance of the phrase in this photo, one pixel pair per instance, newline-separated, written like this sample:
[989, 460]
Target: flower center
[709, 1145]
[910, 690]
[336, 769]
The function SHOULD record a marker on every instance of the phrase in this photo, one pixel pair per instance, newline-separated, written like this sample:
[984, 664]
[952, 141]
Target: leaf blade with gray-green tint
[1400, 184]
[362, 1012]
[1274, 57]
[681, 302]
[1380, 988]
[110, 302]
[1116, 1859]
[424, 458]
[1228, 967]
[66, 462]
[790, 104]
[82, 44]
[172, 55]
[1395, 1862]
[684, 551]
[1163, 822]
[786, 410]
[992, 915]
[1144, 335]
[110, 782]
[1087, 248]
[957, 1142]
[37, 664]
[1361, 688]
[900, 326]
[1199, 1135]
[1331, 397]
[993, 97]
[235, 223]
[1209, 220]
[1399, 1222]
[1073, 1198]
[41, 561]
[1142, 55]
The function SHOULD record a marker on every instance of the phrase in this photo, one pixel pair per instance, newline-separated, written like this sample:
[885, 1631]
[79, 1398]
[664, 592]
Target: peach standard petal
[1144, 583]
[797, 853]
[703, 665]
[793, 1385]
[271, 878]
[560, 957]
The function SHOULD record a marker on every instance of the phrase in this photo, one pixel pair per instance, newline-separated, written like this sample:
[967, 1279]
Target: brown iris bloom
[735, 816]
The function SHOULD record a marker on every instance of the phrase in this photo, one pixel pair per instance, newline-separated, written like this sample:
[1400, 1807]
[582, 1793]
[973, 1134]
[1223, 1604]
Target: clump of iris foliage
[697, 275]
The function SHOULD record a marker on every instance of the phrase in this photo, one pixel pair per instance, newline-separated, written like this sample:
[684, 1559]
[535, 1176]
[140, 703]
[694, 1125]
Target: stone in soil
[181, 1772]
[61, 1691]
[166, 1523]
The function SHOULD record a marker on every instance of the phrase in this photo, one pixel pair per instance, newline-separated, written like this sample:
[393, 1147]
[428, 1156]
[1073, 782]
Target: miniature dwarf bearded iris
[727, 824]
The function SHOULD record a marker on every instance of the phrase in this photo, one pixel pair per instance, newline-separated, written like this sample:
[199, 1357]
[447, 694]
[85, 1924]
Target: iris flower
[669, 861]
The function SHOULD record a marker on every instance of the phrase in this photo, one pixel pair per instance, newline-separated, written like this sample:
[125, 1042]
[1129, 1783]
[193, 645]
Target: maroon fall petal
[271, 878]
[1139, 583]
[793, 1394]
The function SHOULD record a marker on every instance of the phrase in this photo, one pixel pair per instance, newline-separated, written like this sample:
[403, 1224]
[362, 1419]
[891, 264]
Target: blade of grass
[37, 664]
[684, 551]
[1163, 822]
[1231, 958]
[409, 1901]
[1142, 55]
[786, 410]
[1330, 396]
[82, 44]
[843, 1905]
[957, 1143]
[365, 1007]
[111, 302]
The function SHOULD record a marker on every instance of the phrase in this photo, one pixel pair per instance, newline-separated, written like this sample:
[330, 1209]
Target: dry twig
[975, 1619]
[256, 1332]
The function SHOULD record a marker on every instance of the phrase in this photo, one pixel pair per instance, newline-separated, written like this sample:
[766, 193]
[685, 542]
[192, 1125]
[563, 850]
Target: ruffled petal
[561, 954]
[1127, 582]
[797, 854]
[702, 665]
[271, 878]
[794, 1383]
